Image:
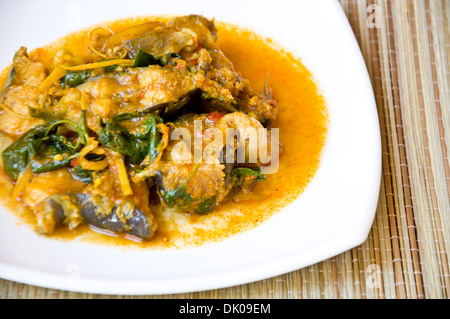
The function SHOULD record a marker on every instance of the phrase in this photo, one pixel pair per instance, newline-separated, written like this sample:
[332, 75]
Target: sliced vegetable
[82, 174]
[123, 176]
[100, 212]
[56, 74]
[84, 59]
[89, 158]
[92, 165]
[97, 65]
[21, 183]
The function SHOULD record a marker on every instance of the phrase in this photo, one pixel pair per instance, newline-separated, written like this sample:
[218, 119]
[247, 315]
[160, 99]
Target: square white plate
[332, 215]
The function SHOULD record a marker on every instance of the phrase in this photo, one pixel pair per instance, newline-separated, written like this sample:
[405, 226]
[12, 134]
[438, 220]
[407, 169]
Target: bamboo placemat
[406, 46]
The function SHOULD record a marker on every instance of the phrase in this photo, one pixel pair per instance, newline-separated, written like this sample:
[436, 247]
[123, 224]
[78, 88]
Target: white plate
[332, 215]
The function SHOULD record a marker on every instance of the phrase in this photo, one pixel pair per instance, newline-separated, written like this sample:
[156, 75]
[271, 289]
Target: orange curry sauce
[302, 122]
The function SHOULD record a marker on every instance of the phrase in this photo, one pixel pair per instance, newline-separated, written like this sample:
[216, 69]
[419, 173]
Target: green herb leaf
[206, 206]
[74, 78]
[82, 174]
[142, 59]
[44, 150]
[178, 194]
[17, 155]
[49, 164]
[133, 145]
[154, 137]
[180, 198]
[241, 174]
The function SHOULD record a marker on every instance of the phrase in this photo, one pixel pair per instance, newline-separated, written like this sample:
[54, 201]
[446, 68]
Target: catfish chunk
[197, 186]
[21, 95]
[192, 187]
[223, 88]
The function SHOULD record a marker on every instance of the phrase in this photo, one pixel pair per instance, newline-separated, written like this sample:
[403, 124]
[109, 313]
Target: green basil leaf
[82, 174]
[74, 78]
[17, 155]
[241, 174]
[142, 59]
[38, 147]
[133, 145]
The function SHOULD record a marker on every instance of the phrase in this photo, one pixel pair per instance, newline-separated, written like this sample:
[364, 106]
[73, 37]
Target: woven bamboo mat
[406, 46]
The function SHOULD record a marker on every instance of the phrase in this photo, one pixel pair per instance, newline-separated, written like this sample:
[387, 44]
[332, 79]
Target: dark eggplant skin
[137, 223]
[180, 197]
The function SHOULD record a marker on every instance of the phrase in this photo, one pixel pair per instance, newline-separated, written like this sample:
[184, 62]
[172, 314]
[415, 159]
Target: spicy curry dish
[88, 123]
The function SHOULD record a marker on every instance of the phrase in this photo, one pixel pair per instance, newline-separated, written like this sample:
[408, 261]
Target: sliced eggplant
[99, 212]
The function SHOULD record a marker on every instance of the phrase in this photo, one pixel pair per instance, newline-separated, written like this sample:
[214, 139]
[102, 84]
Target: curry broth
[302, 123]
